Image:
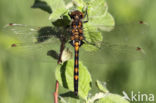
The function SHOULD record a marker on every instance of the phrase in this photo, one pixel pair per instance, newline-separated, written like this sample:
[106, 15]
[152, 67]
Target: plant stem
[56, 92]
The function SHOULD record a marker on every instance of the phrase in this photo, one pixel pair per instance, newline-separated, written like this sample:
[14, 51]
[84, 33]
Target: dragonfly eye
[81, 16]
[71, 16]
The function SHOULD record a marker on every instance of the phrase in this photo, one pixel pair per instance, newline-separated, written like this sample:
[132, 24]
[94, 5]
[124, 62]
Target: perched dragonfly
[77, 39]
[42, 39]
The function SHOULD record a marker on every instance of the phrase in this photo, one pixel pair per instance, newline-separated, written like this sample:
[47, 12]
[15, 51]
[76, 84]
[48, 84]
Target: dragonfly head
[76, 15]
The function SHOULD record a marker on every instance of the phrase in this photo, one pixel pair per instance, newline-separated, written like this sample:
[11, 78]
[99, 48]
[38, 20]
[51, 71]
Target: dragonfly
[41, 39]
[77, 38]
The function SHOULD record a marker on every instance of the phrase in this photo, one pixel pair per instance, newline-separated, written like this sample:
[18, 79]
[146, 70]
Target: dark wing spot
[11, 24]
[138, 48]
[13, 45]
[141, 22]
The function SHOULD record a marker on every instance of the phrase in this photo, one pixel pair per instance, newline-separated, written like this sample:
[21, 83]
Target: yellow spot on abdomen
[76, 48]
[76, 43]
[76, 54]
[76, 77]
[76, 62]
[76, 70]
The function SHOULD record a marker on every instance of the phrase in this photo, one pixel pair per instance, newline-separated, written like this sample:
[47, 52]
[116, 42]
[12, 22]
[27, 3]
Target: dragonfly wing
[131, 33]
[104, 22]
[123, 42]
[33, 41]
[27, 33]
[36, 50]
[109, 53]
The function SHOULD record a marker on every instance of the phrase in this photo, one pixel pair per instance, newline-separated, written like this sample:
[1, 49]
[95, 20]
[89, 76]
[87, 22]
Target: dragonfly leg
[86, 14]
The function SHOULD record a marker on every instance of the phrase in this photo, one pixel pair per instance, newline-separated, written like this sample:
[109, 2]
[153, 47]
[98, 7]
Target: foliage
[23, 83]
[99, 19]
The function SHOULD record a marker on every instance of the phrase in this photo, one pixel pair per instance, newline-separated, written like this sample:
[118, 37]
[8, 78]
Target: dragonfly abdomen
[76, 68]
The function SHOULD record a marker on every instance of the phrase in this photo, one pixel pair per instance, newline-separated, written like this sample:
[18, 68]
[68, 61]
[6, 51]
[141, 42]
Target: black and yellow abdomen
[76, 68]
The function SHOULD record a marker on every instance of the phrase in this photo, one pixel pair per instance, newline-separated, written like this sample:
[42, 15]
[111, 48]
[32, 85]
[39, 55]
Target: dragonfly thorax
[77, 27]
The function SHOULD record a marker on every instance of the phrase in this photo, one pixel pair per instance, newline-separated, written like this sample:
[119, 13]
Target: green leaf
[65, 75]
[58, 13]
[42, 5]
[58, 7]
[104, 23]
[101, 86]
[63, 22]
[97, 96]
[62, 100]
[112, 98]
[92, 34]
[55, 4]
[97, 8]
[99, 16]
[79, 4]
[93, 37]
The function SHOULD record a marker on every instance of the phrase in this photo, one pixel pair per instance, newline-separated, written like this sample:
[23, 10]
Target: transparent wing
[31, 34]
[33, 41]
[131, 33]
[122, 43]
[110, 53]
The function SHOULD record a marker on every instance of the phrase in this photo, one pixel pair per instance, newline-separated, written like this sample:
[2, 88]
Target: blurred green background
[24, 80]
